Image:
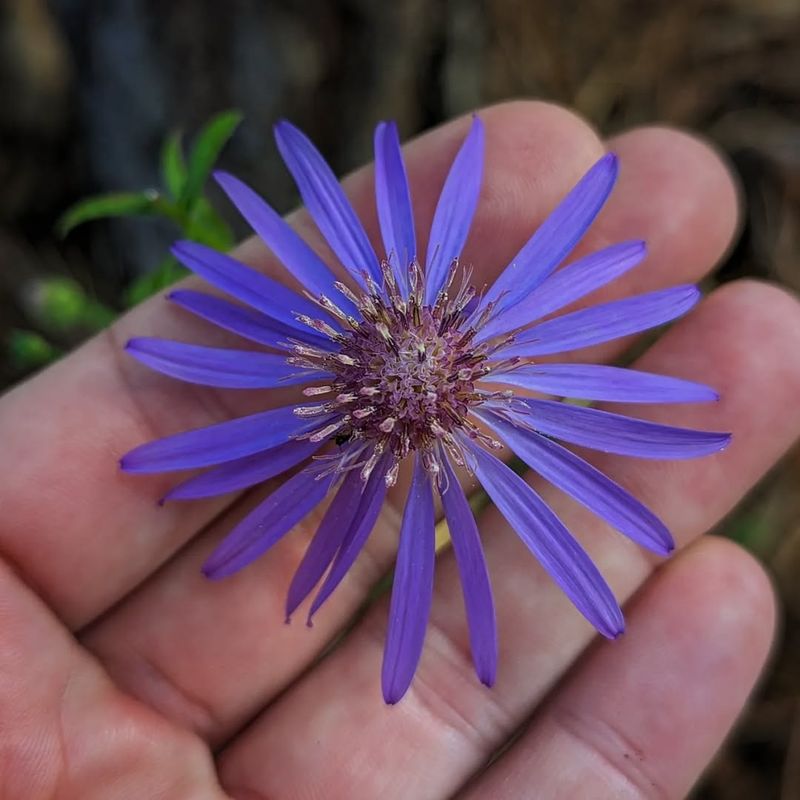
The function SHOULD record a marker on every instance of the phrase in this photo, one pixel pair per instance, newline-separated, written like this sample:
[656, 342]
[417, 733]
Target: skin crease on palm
[125, 674]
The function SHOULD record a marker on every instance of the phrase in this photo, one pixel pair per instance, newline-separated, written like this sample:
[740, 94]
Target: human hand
[124, 673]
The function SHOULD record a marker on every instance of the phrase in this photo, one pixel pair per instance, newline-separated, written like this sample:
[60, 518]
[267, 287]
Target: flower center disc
[411, 380]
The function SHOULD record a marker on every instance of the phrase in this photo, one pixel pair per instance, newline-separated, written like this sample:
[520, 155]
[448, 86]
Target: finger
[82, 533]
[198, 634]
[66, 730]
[540, 633]
[642, 718]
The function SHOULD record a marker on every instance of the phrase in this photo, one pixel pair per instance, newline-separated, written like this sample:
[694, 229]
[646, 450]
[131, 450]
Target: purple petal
[598, 382]
[455, 210]
[214, 366]
[556, 236]
[357, 534]
[268, 523]
[603, 322]
[243, 321]
[393, 200]
[327, 203]
[569, 284]
[590, 487]
[327, 541]
[245, 284]
[475, 583]
[292, 251]
[225, 441]
[551, 543]
[412, 589]
[244, 472]
[615, 433]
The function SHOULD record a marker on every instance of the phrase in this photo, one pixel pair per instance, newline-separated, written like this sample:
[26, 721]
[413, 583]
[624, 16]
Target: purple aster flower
[406, 363]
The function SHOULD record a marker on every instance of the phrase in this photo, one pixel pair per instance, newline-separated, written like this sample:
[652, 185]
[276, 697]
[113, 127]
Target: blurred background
[91, 91]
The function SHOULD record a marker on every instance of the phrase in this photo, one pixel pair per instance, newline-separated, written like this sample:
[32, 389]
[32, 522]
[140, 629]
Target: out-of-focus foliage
[60, 305]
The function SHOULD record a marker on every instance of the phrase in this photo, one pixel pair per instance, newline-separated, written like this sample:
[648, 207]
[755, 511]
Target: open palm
[125, 674]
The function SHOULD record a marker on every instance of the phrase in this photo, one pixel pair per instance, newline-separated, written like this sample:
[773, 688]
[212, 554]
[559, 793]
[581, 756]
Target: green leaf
[165, 274]
[118, 204]
[28, 350]
[60, 305]
[208, 228]
[173, 165]
[56, 303]
[205, 152]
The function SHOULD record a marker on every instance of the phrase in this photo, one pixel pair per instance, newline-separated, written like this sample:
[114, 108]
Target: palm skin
[123, 673]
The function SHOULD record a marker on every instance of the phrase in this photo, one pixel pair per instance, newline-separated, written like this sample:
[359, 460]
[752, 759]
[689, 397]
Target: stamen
[414, 364]
[313, 411]
[329, 429]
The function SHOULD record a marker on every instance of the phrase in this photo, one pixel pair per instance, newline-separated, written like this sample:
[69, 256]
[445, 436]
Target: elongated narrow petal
[245, 284]
[477, 590]
[326, 541]
[604, 322]
[214, 366]
[225, 441]
[455, 210]
[393, 200]
[615, 433]
[551, 543]
[357, 534]
[599, 382]
[268, 523]
[292, 251]
[590, 487]
[556, 236]
[244, 472]
[327, 203]
[412, 589]
[245, 322]
[567, 285]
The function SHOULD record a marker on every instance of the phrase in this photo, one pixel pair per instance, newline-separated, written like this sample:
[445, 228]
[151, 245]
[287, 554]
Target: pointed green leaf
[118, 204]
[173, 165]
[205, 152]
[208, 228]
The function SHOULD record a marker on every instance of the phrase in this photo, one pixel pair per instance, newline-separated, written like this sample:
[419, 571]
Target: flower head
[409, 363]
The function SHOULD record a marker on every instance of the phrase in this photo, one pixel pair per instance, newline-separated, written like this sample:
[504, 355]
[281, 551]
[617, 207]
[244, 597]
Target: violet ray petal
[214, 366]
[243, 321]
[412, 589]
[602, 323]
[615, 433]
[326, 541]
[576, 280]
[245, 284]
[599, 382]
[326, 202]
[225, 441]
[244, 472]
[268, 523]
[289, 247]
[454, 211]
[551, 543]
[586, 484]
[357, 534]
[475, 585]
[393, 201]
[556, 236]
